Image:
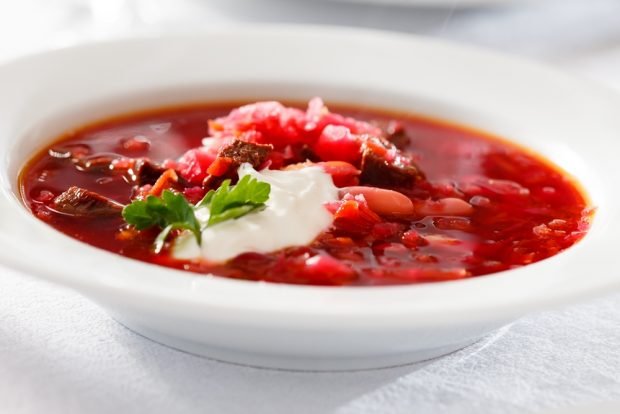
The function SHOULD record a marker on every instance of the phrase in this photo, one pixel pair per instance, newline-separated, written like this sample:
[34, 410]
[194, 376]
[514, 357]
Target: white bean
[382, 201]
[449, 206]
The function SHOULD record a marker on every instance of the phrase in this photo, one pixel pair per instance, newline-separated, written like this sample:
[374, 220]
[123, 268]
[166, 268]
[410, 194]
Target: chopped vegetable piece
[354, 216]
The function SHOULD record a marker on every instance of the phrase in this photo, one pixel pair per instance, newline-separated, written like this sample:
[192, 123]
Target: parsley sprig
[172, 211]
[169, 212]
[228, 202]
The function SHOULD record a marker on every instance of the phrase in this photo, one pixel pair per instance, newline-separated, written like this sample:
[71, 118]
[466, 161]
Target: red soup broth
[525, 208]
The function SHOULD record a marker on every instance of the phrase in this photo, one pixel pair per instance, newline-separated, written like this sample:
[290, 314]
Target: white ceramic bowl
[575, 124]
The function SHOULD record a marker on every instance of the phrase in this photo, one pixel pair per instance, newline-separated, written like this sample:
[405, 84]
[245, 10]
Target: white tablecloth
[60, 353]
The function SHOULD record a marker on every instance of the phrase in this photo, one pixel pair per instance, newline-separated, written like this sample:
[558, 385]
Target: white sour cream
[295, 215]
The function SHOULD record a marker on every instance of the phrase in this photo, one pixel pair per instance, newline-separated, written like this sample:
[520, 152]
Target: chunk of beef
[84, 203]
[230, 157]
[394, 132]
[146, 171]
[240, 152]
[384, 166]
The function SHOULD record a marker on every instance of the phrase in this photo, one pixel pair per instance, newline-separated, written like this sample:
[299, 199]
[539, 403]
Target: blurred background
[580, 35]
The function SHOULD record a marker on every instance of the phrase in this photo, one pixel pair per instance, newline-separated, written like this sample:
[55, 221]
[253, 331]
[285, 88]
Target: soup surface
[414, 200]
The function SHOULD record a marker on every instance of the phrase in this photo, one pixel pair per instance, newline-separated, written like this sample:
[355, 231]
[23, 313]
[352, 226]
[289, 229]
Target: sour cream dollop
[295, 215]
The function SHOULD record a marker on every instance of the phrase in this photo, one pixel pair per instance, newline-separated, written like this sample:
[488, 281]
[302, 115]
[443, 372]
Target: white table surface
[60, 353]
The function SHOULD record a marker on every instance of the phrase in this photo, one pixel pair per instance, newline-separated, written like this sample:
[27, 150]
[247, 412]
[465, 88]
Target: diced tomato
[354, 216]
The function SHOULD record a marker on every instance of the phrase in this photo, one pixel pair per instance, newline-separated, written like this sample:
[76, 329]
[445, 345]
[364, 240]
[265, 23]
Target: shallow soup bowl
[573, 123]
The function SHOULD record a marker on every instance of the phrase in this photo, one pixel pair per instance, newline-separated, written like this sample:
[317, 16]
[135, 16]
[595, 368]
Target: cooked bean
[381, 201]
[449, 206]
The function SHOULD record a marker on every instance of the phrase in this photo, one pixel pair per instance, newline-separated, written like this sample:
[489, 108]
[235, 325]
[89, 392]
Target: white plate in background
[448, 4]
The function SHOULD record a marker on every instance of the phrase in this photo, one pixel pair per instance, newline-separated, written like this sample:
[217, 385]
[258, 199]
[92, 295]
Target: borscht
[340, 196]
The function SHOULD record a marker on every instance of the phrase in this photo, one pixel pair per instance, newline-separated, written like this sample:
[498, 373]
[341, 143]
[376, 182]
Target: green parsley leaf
[171, 211]
[235, 213]
[227, 203]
